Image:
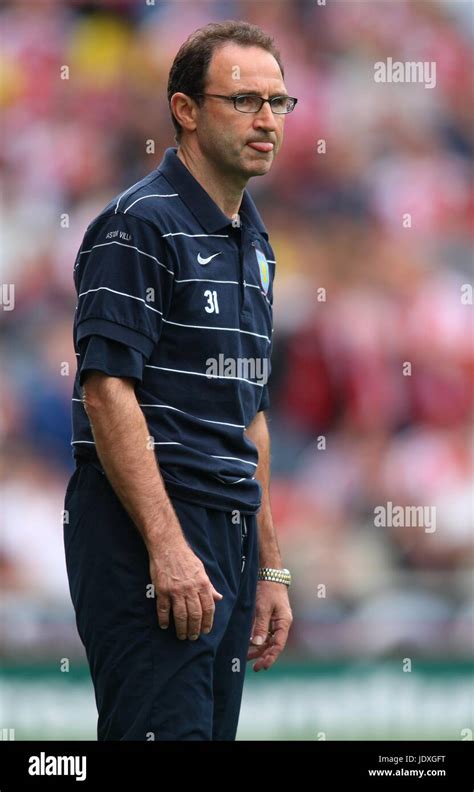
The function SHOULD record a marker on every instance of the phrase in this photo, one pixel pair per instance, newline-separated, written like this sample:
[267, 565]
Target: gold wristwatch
[275, 575]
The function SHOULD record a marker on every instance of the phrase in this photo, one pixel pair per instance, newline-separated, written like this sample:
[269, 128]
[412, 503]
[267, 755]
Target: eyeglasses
[250, 103]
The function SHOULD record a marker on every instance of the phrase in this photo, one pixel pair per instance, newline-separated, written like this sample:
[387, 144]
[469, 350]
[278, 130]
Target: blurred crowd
[369, 208]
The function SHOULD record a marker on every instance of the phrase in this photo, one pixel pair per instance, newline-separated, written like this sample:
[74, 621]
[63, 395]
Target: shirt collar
[199, 202]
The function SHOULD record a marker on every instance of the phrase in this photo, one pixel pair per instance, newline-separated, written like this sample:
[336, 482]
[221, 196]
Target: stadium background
[392, 294]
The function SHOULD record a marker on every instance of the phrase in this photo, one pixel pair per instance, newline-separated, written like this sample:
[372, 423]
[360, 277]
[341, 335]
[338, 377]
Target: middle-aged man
[172, 557]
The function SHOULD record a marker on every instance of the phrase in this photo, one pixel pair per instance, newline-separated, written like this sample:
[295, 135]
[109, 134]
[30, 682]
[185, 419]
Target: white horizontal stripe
[183, 233]
[91, 442]
[124, 193]
[238, 481]
[238, 459]
[205, 280]
[206, 327]
[234, 283]
[122, 294]
[142, 198]
[271, 261]
[132, 247]
[200, 374]
[194, 417]
[255, 286]
[183, 412]
[172, 442]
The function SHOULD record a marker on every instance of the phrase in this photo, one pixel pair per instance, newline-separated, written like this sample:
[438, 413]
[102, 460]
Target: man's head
[227, 59]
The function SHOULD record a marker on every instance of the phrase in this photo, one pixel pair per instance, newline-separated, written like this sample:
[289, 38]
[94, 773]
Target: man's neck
[227, 196]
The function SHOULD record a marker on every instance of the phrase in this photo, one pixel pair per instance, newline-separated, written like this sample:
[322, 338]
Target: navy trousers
[148, 684]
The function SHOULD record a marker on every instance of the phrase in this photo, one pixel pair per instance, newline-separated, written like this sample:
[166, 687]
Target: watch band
[275, 575]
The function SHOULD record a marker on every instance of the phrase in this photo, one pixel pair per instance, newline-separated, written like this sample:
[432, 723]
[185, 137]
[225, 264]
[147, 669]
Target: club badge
[263, 269]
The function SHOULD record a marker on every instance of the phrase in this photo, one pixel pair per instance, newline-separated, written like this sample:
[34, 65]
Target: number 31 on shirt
[213, 305]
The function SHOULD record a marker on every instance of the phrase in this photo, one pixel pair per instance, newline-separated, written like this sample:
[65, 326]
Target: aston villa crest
[263, 269]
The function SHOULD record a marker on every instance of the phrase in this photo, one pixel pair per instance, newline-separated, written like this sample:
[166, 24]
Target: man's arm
[269, 552]
[273, 616]
[123, 445]
[127, 456]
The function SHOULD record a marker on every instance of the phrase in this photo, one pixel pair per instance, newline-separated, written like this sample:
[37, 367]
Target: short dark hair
[189, 70]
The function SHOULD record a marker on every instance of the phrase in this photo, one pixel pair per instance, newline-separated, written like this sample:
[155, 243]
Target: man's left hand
[272, 621]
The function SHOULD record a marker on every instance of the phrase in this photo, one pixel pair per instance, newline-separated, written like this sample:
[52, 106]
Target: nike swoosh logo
[206, 260]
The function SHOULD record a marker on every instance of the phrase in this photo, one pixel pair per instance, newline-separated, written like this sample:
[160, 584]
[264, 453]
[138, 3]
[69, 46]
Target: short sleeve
[265, 400]
[124, 282]
[97, 353]
[265, 397]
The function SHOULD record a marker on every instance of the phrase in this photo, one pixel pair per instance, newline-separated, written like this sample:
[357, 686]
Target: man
[173, 337]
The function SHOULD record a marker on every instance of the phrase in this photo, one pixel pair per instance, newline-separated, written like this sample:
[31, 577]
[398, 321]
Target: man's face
[224, 133]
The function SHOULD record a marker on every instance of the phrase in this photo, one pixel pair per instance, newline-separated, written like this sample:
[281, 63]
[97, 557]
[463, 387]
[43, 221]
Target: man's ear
[184, 109]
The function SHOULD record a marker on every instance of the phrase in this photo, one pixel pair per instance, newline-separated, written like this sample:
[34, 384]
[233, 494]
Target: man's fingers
[260, 630]
[193, 611]
[267, 658]
[273, 649]
[257, 651]
[280, 637]
[208, 609]
[163, 607]
[193, 605]
[180, 615]
[216, 594]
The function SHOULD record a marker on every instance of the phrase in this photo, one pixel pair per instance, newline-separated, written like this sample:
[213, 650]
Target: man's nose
[265, 118]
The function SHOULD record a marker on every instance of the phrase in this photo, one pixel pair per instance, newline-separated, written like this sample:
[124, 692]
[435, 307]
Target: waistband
[175, 490]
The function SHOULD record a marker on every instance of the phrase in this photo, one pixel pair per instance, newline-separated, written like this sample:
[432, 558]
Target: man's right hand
[181, 584]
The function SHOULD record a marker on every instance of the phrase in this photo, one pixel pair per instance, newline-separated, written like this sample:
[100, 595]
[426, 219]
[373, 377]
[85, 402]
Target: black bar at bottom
[362, 765]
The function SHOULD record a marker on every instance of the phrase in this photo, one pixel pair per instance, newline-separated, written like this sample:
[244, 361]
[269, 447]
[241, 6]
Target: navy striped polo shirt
[178, 296]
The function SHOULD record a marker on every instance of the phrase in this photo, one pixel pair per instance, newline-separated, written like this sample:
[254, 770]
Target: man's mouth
[264, 147]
